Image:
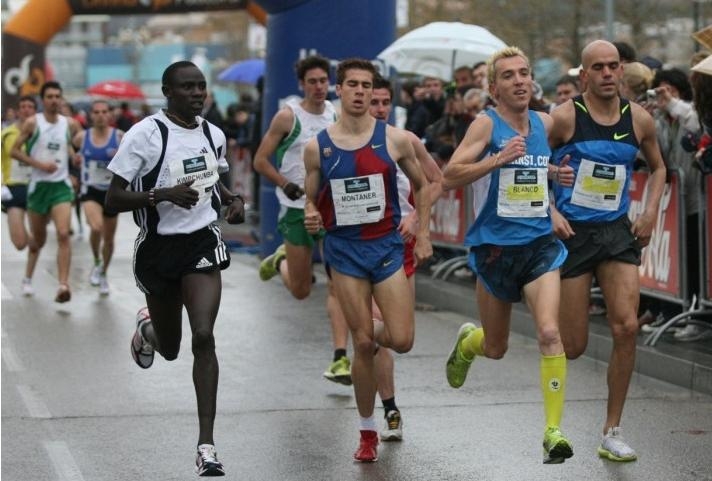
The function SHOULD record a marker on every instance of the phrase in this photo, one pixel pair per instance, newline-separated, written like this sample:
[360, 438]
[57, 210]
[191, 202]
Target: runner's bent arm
[279, 128]
[411, 168]
[463, 167]
[644, 125]
[312, 164]
[18, 152]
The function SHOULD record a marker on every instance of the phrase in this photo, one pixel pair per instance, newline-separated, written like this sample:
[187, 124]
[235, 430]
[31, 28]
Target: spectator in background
[211, 112]
[636, 81]
[417, 115]
[626, 51]
[652, 63]
[479, 75]
[125, 118]
[675, 117]
[567, 87]
[474, 101]
[238, 125]
[538, 102]
[434, 99]
[462, 76]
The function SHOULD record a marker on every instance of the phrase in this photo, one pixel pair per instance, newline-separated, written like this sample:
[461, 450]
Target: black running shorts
[596, 242]
[160, 261]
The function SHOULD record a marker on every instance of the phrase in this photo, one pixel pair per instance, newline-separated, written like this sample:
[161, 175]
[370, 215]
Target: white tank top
[50, 142]
[289, 151]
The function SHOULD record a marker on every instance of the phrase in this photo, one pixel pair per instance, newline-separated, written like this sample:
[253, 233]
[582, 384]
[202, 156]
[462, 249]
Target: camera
[651, 94]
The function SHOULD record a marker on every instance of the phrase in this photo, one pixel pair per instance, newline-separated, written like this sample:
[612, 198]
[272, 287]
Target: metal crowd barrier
[450, 217]
[703, 304]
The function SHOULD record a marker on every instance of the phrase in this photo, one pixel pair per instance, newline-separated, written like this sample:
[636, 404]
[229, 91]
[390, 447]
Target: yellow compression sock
[553, 383]
[471, 346]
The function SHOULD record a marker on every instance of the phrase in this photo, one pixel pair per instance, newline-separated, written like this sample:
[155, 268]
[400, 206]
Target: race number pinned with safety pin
[97, 173]
[522, 193]
[359, 200]
[201, 169]
[599, 186]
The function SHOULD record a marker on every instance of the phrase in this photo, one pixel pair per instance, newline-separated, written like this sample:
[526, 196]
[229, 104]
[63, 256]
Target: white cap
[574, 72]
[705, 66]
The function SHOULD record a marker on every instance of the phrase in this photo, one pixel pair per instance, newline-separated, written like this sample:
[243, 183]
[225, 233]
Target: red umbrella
[117, 89]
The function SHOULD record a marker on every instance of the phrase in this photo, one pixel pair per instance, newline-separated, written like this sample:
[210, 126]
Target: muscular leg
[201, 296]
[62, 217]
[93, 213]
[495, 317]
[16, 224]
[109, 232]
[395, 300]
[573, 314]
[339, 327]
[354, 296]
[38, 228]
[621, 290]
[296, 270]
[164, 332]
[542, 297]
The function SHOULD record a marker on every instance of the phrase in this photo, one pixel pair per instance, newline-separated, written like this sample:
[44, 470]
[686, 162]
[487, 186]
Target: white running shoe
[27, 289]
[103, 286]
[613, 447]
[206, 462]
[95, 276]
[393, 430]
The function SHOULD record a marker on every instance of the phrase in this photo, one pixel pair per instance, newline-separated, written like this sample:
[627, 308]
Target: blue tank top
[358, 194]
[95, 160]
[602, 157]
[511, 203]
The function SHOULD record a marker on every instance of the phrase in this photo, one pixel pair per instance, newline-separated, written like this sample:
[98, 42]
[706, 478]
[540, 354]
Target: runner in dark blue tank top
[351, 190]
[599, 134]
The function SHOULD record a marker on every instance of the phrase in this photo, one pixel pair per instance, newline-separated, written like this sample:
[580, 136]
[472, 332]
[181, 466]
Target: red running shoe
[367, 451]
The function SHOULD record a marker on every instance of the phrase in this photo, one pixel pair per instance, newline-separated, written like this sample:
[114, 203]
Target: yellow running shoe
[268, 266]
[557, 448]
[457, 364]
[339, 371]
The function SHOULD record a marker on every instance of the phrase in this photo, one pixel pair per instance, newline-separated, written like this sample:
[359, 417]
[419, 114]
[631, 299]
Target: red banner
[660, 263]
[448, 221]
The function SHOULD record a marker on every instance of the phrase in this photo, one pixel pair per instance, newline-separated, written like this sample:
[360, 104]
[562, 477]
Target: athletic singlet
[50, 142]
[158, 153]
[358, 195]
[95, 160]
[406, 199]
[14, 172]
[602, 157]
[512, 202]
[289, 154]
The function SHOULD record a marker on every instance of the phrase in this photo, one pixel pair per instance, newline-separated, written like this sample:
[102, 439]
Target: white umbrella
[438, 48]
[705, 66]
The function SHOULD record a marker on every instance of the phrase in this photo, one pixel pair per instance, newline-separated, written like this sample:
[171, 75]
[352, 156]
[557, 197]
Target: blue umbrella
[244, 71]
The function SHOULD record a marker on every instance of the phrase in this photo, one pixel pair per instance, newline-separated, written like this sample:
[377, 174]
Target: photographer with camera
[670, 99]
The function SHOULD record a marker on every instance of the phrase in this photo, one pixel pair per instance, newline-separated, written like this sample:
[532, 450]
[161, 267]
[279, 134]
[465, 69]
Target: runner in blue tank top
[505, 156]
[351, 191]
[599, 134]
[96, 147]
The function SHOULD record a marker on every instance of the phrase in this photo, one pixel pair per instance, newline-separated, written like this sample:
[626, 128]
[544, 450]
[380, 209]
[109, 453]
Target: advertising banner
[448, 218]
[660, 266]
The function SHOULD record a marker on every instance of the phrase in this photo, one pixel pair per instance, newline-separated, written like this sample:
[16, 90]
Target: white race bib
[20, 172]
[359, 200]
[522, 192]
[202, 169]
[97, 173]
[599, 186]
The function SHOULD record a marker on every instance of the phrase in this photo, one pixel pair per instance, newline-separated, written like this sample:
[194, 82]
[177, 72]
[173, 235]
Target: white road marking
[10, 358]
[6, 294]
[63, 461]
[34, 405]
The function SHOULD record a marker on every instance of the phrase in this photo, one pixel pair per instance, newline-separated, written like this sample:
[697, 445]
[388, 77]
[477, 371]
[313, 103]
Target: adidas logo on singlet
[203, 263]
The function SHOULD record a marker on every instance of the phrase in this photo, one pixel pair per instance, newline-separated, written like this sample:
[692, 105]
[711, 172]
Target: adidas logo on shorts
[203, 263]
